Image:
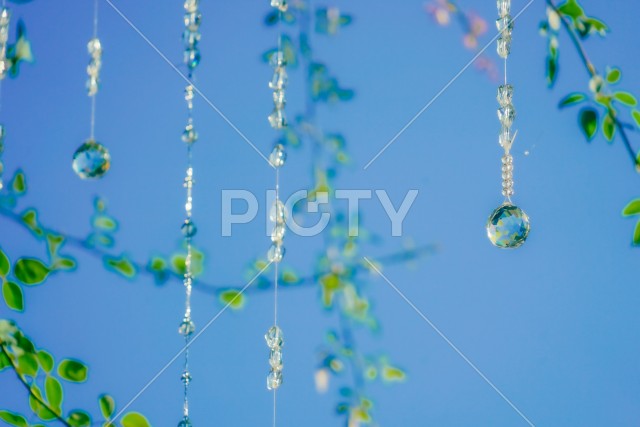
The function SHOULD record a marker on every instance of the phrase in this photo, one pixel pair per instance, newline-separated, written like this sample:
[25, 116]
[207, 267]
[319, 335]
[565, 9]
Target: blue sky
[554, 324]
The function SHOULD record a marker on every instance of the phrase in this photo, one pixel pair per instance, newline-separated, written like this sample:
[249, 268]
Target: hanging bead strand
[508, 226]
[191, 38]
[277, 215]
[5, 20]
[92, 159]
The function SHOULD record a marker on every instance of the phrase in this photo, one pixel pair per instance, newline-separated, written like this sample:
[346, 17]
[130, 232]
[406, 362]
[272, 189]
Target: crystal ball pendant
[91, 160]
[508, 226]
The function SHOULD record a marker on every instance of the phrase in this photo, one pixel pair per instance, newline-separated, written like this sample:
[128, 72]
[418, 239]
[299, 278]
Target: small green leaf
[552, 70]
[178, 264]
[571, 8]
[30, 271]
[19, 183]
[73, 370]
[5, 264]
[46, 360]
[99, 204]
[636, 117]
[233, 298]
[28, 364]
[596, 26]
[12, 293]
[392, 374]
[54, 242]
[38, 408]
[134, 419]
[626, 98]
[572, 99]
[589, 122]
[614, 75]
[54, 393]
[66, 264]
[14, 419]
[30, 219]
[636, 234]
[608, 127]
[79, 418]
[290, 277]
[105, 222]
[122, 266]
[633, 208]
[107, 406]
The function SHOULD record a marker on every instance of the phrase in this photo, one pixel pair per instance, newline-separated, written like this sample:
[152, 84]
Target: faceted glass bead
[5, 17]
[188, 93]
[189, 135]
[282, 5]
[192, 58]
[277, 235]
[274, 337]
[189, 229]
[505, 94]
[279, 80]
[191, 5]
[191, 38]
[4, 67]
[185, 422]
[275, 359]
[276, 252]
[507, 115]
[278, 156]
[278, 212]
[504, 7]
[505, 24]
[94, 47]
[279, 99]
[193, 20]
[274, 380]
[186, 377]
[508, 226]
[277, 59]
[504, 46]
[91, 160]
[4, 34]
[93, 69]
[277, 119]
[505, 139]
[92, 86]
[187, 327]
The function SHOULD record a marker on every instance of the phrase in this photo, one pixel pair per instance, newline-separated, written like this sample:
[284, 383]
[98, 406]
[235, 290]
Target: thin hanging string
[93, 98]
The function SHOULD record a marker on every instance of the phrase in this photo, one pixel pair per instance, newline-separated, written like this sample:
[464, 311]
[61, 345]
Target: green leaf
[54, 393]
[122, 266]
[614, 75]
[636, 234]
[589, 122]
[13, 297]
[552, 70]
[393, 374]
[608, 127]
[596, 26]
[99, 204]
[626, 98]
[54, 242]
[105, 222]
[233, 297]
[28, 364]
[38, 408]
[636, 117]
[290, 277]
[571, 8]
[107, 406]
[30, 219]
[633, 208]
[178, 264]
[5, 264]
[14, 419]
[46, 360]
[30, 271]
[19, 183]
[79, 418]
[134, 419]
[67, 264]
[572, 99]
[73, 370]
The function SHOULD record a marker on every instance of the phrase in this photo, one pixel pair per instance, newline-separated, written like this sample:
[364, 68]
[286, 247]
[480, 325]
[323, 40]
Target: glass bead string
[191, 38]
[5, 20]
[278, 121]
[95, 62]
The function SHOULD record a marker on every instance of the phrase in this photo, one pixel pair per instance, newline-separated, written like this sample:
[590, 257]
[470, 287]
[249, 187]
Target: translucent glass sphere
[508, 226]
[91, 160]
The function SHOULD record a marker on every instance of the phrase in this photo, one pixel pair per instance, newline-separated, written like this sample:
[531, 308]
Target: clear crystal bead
[187, 327]
[275, 359]
[277, 59]
[93, 69]
[504, 46]
[279, 99]
[185, 422]
[276, 252]
[186, 377]
[274, 337]
[192, 58]
[5, 17]
[193, 20]
[274, 380]
[191, 6]
[4, 68]
[92, 86]
[189, 93]
[278, 119]
[279, 80]
[191, 38]
[279, 230]
[508, 226]
[190, 135]
[281, 5]
[505, 94]
[4, 34]
[504, 7]
[189, 229]
[278, 212]
[507, 115]
[505, 138]
[91, 160]
[505, 24]
[278, 156]
[94, 47]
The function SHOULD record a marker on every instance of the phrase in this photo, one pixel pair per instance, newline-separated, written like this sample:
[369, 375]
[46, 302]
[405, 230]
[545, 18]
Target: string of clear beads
[191, 38]
[95, 64]
[5, 19]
